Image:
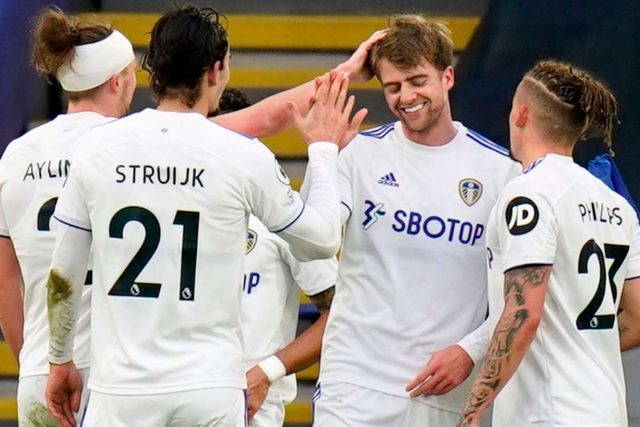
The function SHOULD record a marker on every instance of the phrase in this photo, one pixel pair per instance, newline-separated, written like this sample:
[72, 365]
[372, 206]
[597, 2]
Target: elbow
[317, 250]
[324, 250]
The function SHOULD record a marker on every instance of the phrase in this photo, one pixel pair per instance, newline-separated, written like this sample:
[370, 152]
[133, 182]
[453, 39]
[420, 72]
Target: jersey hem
[388, 390]
[522, 262]
[135, 391]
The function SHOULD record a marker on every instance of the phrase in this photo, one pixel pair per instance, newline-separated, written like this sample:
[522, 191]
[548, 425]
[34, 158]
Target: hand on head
[357, 66]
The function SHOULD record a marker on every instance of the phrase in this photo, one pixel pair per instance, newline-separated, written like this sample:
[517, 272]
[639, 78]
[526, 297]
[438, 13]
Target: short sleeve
[270, 195]
[527, 227]
[71, 208]
[312, 277]
[4, 227]
[633, 265]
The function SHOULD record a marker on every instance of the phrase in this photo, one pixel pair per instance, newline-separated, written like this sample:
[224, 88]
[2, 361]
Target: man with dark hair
[273, 279]
[233, 100]
[163, 199]
[563, 256]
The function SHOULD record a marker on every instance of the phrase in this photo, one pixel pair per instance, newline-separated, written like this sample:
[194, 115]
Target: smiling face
[417, 96]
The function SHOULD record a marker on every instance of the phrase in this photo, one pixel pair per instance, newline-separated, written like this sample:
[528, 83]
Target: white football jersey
[32, 171]
[166, 197]
[557, 213]
[271, 288]
[411, 277]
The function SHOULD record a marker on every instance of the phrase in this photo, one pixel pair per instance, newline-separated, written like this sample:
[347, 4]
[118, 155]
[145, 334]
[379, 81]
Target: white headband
[94, 63]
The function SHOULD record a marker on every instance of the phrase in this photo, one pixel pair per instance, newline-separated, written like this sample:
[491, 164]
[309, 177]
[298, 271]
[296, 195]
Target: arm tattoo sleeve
[493, 375]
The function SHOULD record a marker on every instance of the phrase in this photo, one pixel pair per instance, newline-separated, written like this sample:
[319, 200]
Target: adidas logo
[389, 179]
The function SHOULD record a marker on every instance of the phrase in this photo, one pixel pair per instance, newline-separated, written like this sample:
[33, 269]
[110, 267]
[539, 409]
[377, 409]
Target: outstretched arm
[11, 315]
[64, 289]
[301, 353]
[524, 292]
[271, 115]
[629, 319]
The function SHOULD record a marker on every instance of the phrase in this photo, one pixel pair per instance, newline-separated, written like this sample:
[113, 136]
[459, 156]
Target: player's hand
[257, 388]
[328, 118]
[446, 369]
[469, 421]
[64, 388]
[357, 66]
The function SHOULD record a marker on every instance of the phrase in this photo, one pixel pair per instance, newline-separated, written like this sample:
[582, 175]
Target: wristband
[273, 368]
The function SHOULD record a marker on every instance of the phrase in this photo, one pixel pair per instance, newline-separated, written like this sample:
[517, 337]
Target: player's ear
[213, 75]
[448, 77]
[522, 115]
[114, 83]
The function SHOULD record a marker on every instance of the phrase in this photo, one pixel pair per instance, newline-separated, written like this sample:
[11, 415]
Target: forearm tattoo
[60, 312]
[322, 301]
[501, 346]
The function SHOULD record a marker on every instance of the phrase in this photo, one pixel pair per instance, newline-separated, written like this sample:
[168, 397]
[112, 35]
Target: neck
[178, 106]
[441, 132]
[86, 105]
[535, 147]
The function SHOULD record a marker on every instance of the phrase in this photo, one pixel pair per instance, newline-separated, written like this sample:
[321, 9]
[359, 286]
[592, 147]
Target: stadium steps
[8, 387]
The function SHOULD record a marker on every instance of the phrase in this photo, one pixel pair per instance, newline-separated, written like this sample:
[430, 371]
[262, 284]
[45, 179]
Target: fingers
[68, 414]
[417, 381]
[373, 39]
[322, 92]
[56, 410]
[433, 386]
[342, 94]
[252, 408]
[335, 89]
[357, 120]
[75, 398]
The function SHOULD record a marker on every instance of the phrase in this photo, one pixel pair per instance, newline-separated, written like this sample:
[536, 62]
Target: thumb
[357, 120]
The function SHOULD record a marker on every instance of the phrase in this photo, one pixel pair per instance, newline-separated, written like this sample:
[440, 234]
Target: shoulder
[485, 147]
[543, 180]
[378, 132]
[370, 139]
[29, 139]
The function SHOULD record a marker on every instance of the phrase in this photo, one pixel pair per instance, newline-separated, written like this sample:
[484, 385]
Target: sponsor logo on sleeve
[521, 215]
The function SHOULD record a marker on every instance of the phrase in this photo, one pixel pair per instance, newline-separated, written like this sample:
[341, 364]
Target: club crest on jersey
[372, 213]
[470, 190]
[521, 215]
[252, 239]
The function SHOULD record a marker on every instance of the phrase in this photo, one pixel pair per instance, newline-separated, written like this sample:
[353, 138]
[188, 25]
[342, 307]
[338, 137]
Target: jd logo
[522, 215]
